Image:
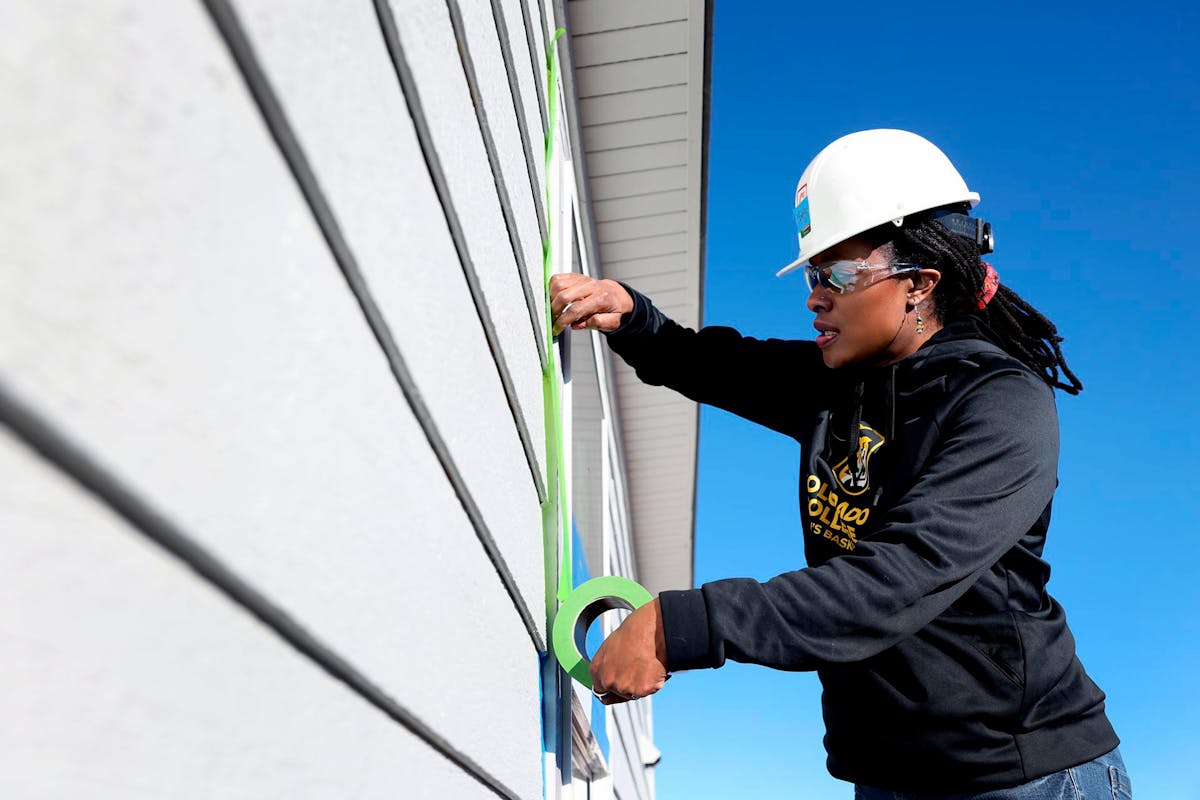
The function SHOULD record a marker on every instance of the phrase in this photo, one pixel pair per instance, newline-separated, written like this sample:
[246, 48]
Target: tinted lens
[810, 276]
[836, 277]
[843, 276]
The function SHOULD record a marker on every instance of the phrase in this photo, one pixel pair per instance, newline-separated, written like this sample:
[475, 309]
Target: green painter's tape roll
[580, 610]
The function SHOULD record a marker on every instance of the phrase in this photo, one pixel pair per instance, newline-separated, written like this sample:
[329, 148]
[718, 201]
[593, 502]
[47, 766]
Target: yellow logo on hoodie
[855, 478]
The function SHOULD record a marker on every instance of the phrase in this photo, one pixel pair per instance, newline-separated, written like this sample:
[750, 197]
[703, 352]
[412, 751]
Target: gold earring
[920, 322]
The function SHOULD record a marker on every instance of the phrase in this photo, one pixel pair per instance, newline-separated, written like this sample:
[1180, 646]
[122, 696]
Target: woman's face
[871, 324]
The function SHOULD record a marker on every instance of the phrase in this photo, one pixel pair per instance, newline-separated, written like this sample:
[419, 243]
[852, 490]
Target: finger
[563, 280]
[565, 284]
[581, 310]
[559, 320]
[569, 294]
[604, 322]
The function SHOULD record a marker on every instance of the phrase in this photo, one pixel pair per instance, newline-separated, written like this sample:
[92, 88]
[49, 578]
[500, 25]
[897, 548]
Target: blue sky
[1077, 123]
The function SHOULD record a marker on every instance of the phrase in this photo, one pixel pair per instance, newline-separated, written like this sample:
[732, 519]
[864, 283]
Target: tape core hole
[588, 632]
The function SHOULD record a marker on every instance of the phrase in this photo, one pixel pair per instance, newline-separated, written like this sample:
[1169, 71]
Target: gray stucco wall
[316, 358]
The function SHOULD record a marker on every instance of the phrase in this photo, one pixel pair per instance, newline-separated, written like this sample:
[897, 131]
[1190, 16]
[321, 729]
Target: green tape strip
[554, 510]
[581, 609]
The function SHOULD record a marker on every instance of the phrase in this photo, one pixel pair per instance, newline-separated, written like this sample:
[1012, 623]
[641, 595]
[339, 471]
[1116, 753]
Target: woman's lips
[826, 334]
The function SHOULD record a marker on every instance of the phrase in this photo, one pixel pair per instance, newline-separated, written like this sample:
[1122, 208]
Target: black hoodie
[945, 664]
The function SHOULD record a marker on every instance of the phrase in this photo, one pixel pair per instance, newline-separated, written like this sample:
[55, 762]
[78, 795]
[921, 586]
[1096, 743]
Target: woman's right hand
[578, 301]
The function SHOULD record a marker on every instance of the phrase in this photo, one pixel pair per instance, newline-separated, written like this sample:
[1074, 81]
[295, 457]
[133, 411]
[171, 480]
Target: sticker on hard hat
[803, 222]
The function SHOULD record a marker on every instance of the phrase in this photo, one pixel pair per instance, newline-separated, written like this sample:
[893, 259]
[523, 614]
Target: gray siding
[173, 306]
[150, 685]
[272, 433]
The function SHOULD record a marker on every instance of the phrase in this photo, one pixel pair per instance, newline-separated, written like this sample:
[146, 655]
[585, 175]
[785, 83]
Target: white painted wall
[169, 304]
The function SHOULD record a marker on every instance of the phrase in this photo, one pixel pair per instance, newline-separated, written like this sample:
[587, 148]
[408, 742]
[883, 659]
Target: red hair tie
[991, 282]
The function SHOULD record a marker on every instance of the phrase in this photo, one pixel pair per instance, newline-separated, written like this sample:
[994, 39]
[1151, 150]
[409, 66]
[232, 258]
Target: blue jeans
[1105, 778]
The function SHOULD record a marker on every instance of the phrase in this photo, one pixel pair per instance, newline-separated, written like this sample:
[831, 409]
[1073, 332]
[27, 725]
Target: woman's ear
[923, 283]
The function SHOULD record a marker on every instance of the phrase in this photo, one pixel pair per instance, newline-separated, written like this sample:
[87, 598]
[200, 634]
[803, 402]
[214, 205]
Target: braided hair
[1022, 330]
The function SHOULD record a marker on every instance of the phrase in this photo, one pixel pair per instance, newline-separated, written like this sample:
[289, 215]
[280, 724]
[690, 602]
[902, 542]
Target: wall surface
[273, 454]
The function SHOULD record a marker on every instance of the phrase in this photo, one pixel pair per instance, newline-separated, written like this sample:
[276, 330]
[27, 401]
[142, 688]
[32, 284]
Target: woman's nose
[819, 299]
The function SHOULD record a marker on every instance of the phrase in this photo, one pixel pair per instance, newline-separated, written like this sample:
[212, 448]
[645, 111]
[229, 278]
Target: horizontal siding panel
[537, 30]
[531, 81]
[642, 227]
[634, 105]
[629, 76]
[633, 159]
[653, 130]
[432, 54]
[149, 683]
[591, 16]
[494, 91]
[350, 101]
[207, 347]
[642, 206]
[632, 184]
[629, 43]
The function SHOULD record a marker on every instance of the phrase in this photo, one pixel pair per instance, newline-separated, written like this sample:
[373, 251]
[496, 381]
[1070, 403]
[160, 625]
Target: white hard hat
[865, 179]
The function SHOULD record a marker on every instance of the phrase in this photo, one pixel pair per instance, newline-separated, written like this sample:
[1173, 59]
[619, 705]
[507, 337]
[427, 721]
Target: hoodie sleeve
[767, 381]
[987, 483]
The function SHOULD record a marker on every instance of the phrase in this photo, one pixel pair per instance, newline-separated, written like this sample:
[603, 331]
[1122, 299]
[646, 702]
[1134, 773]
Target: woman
[929, 446]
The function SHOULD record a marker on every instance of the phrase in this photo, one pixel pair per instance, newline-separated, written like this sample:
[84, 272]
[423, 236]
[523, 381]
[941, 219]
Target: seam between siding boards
[280, 129]
[412, 98]
[514, 89]
[502, 195]
[56, 448]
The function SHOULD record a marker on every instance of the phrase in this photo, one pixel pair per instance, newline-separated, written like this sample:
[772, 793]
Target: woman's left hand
[632, 662]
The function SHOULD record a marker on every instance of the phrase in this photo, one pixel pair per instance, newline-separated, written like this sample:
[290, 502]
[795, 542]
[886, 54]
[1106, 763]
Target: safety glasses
[847, 275]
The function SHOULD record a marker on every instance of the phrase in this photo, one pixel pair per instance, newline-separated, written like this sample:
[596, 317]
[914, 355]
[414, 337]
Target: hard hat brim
[792, 267]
